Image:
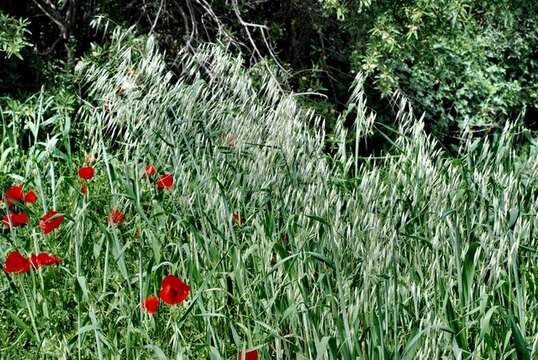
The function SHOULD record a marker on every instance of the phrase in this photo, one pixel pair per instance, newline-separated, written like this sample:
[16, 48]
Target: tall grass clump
[289, 250]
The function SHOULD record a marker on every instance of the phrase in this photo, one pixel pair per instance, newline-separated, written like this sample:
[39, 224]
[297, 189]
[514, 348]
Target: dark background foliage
[462, 63]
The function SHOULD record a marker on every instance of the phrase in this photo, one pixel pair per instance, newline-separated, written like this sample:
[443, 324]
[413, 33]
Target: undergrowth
[413, 254]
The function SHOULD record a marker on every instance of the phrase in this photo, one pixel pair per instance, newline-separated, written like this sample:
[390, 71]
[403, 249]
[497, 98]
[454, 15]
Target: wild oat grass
[412, 255]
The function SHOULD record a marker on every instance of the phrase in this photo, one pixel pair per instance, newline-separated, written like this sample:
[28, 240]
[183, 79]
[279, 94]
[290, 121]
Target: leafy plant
[454, 59]
[13, 35]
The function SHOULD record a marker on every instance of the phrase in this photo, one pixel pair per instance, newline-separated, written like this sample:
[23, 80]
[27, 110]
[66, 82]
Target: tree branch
[52, 14]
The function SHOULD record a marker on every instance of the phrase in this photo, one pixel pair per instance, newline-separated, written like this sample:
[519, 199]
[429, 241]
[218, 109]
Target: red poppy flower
[115, 217]
[84, 189]
[13, 219]
[249, 355]
[86, 172]
[173, 290]
[16, 263]
[165, 181]
[30, 197]
[51, 221]
[42, 259]
[151, 305]
[236, 218]
[14, 193]
[150, 170]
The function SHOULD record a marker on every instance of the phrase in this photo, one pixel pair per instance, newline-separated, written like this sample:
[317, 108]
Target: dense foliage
[285, 249]
[464, 64]
[166, 197]
[12, 35]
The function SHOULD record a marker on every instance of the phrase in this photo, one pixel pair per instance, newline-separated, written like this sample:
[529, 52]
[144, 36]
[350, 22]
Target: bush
[464, 64]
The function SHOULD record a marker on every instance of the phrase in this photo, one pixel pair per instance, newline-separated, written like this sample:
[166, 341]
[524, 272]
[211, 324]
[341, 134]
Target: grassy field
[286, 249]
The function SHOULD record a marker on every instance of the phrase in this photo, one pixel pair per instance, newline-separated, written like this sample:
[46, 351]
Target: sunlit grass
[414, 255]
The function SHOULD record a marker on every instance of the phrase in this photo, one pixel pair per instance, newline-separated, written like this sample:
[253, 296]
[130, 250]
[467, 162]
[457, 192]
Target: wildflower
[86, 172]
[42, 259]
[165, 182]
[249, 355]
[115, 217]
[173, 290]
[51, 221]
[150, 170]
[14, 193]
[16, 263]
[84, 189]
[13, 219]
[30, 197]
[151, 305]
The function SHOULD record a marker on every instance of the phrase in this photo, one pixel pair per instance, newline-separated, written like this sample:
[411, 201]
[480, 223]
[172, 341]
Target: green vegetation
[344, 227]
[466, 63]
[12, 35]
[413, 254]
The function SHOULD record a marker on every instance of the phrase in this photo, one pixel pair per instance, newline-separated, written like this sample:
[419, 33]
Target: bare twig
[64, 21]
[156, 17]
[54, 15]
[246, 26]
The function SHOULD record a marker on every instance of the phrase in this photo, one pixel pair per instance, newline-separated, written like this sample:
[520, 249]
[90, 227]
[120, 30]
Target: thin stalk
[30, 313]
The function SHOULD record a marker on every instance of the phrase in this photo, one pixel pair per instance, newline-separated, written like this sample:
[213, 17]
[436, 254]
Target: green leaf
[468, 271]
[512, 217]
[518, 340]
[457, 329]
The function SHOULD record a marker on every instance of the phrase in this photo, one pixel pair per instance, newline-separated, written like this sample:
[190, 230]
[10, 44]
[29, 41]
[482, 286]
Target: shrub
[464, 64]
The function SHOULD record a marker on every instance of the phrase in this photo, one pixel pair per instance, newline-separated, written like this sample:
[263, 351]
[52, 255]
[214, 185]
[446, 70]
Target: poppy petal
[51, 221]
[151, 305]
[14, 193]
[16, 263]
[249, 355]
[86, 172]
[13, 219]
[42, 259]
[30, 197]
[115, 217]
[173, 290]
[150, 170]
[165, 181]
